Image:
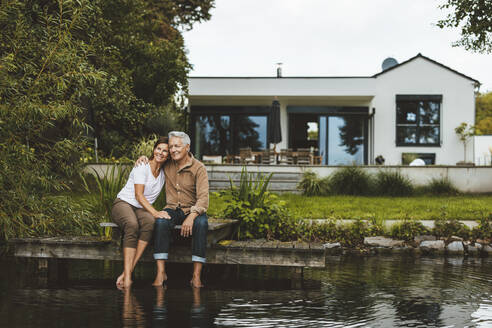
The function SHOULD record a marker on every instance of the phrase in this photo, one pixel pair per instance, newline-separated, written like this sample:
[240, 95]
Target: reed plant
[440, 186]
[258, 210]
[350, 180]
[312, 185]
[252, 188]
[105, 188]
[393, 183]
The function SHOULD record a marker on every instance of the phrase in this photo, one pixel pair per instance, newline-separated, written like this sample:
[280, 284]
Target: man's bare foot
[196, 282]
[120, 279]
[159, 279]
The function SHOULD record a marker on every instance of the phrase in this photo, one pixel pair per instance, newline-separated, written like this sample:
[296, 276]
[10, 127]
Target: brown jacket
[187, 187]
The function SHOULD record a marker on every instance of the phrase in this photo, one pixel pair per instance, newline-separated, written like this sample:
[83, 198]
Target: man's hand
[141, 160]
[187, 226]
[162, 215]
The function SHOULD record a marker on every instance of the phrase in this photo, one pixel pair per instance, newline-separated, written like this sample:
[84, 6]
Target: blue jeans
[163, 234]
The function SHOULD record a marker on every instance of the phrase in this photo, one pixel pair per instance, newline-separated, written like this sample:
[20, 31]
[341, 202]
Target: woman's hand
[162, 215]
[142, 160]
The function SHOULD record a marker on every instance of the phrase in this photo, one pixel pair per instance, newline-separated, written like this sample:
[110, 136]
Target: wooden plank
[316, 246]
[239, 252]
[213, 224]
[301, 245]
[271, 244]
[285, 244]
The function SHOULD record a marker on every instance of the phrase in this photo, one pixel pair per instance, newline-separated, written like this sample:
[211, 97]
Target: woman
[133, 212]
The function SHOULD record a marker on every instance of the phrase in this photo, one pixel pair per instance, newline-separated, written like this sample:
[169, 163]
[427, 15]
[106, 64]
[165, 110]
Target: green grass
[462, 207]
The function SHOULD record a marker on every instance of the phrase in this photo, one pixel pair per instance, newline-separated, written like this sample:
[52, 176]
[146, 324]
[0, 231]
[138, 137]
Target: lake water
[350, 292]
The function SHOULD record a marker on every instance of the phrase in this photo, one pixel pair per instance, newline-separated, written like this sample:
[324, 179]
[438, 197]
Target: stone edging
[425, 245]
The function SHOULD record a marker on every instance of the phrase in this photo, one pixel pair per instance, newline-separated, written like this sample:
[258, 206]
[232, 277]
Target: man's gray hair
[186, 139]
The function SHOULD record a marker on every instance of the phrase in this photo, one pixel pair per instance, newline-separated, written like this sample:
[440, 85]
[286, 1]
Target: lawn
[463, 207]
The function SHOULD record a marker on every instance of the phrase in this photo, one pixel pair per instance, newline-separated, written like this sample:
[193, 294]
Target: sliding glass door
[343, 140]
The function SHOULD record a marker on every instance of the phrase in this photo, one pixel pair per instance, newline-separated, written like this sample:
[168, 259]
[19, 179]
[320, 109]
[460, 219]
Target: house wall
[416, 77]
[483, 149]
[421, 77]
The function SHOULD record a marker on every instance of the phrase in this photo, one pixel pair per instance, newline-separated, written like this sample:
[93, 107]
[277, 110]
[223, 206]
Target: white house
[411, 108]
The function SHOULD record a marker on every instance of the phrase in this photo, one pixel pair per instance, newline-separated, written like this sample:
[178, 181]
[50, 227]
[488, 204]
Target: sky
[325, 38]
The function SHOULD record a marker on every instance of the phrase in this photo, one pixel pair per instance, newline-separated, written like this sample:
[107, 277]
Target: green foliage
[48, 216]
[353, 234]
[43, 75]
[312, 185]
[473, 18]
[442, 186]
[448, 228]
[484, 113]
[350, 180]
[145, 146]
[484, 228]
[393, 183]
[72, 69]
[257, 209]
[408, 230]
[107, 186]
[252, 188]
[465, 132]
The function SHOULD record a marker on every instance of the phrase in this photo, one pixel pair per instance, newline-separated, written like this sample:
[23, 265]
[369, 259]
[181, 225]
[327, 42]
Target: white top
[142, 174]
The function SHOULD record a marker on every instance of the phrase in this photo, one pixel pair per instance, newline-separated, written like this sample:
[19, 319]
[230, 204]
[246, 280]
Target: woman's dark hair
[159, 141]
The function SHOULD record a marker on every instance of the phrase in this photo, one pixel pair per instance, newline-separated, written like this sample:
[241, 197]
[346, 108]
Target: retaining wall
[476, 179]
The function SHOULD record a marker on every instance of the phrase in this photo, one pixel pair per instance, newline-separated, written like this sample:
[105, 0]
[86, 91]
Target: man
[186, 204]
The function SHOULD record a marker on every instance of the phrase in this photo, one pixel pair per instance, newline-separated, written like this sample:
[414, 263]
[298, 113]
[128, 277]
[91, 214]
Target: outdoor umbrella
[274, 130]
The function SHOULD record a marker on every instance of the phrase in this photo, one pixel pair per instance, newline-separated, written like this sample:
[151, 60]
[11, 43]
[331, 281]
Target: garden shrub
[312, 185]
[393, 183]
[442, 186]
[484, 228]
[350, 180]
[447, 228]
[408, 230]
[257, 210]
[353, 234]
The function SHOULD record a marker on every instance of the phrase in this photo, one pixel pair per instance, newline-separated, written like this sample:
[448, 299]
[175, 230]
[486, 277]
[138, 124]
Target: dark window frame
[230, 111]
[415, 99]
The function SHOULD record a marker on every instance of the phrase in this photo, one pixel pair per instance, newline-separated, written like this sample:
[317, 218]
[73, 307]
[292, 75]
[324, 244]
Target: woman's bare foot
[120, 279]
[159, 279]
[127, 283]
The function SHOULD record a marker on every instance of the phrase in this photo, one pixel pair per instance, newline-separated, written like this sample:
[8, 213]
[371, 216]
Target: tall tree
[484, 113]
[474, 18]
[68, 67]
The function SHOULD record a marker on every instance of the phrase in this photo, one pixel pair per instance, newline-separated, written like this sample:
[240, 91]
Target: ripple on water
[375, 292]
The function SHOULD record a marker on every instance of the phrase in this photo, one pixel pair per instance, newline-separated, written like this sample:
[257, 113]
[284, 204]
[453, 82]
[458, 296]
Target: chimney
[279, 70]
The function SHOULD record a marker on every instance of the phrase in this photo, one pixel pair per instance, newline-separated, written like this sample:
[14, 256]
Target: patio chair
[303, 156]
[267, 157]
[246, 155]
[286, 157]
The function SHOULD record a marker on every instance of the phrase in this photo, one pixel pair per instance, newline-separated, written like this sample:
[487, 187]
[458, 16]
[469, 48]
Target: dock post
[297, 277]
[42, 272]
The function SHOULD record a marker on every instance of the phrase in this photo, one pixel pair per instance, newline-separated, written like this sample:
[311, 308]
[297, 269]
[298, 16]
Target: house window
[418, 120]
[219, 134]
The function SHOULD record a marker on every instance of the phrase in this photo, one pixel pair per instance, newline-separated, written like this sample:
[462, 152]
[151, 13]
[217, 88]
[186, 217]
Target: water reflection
[132, 313]
[375, 292]
[159, 313]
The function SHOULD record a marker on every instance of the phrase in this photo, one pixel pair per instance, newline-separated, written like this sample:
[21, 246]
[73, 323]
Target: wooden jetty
[256, 252]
